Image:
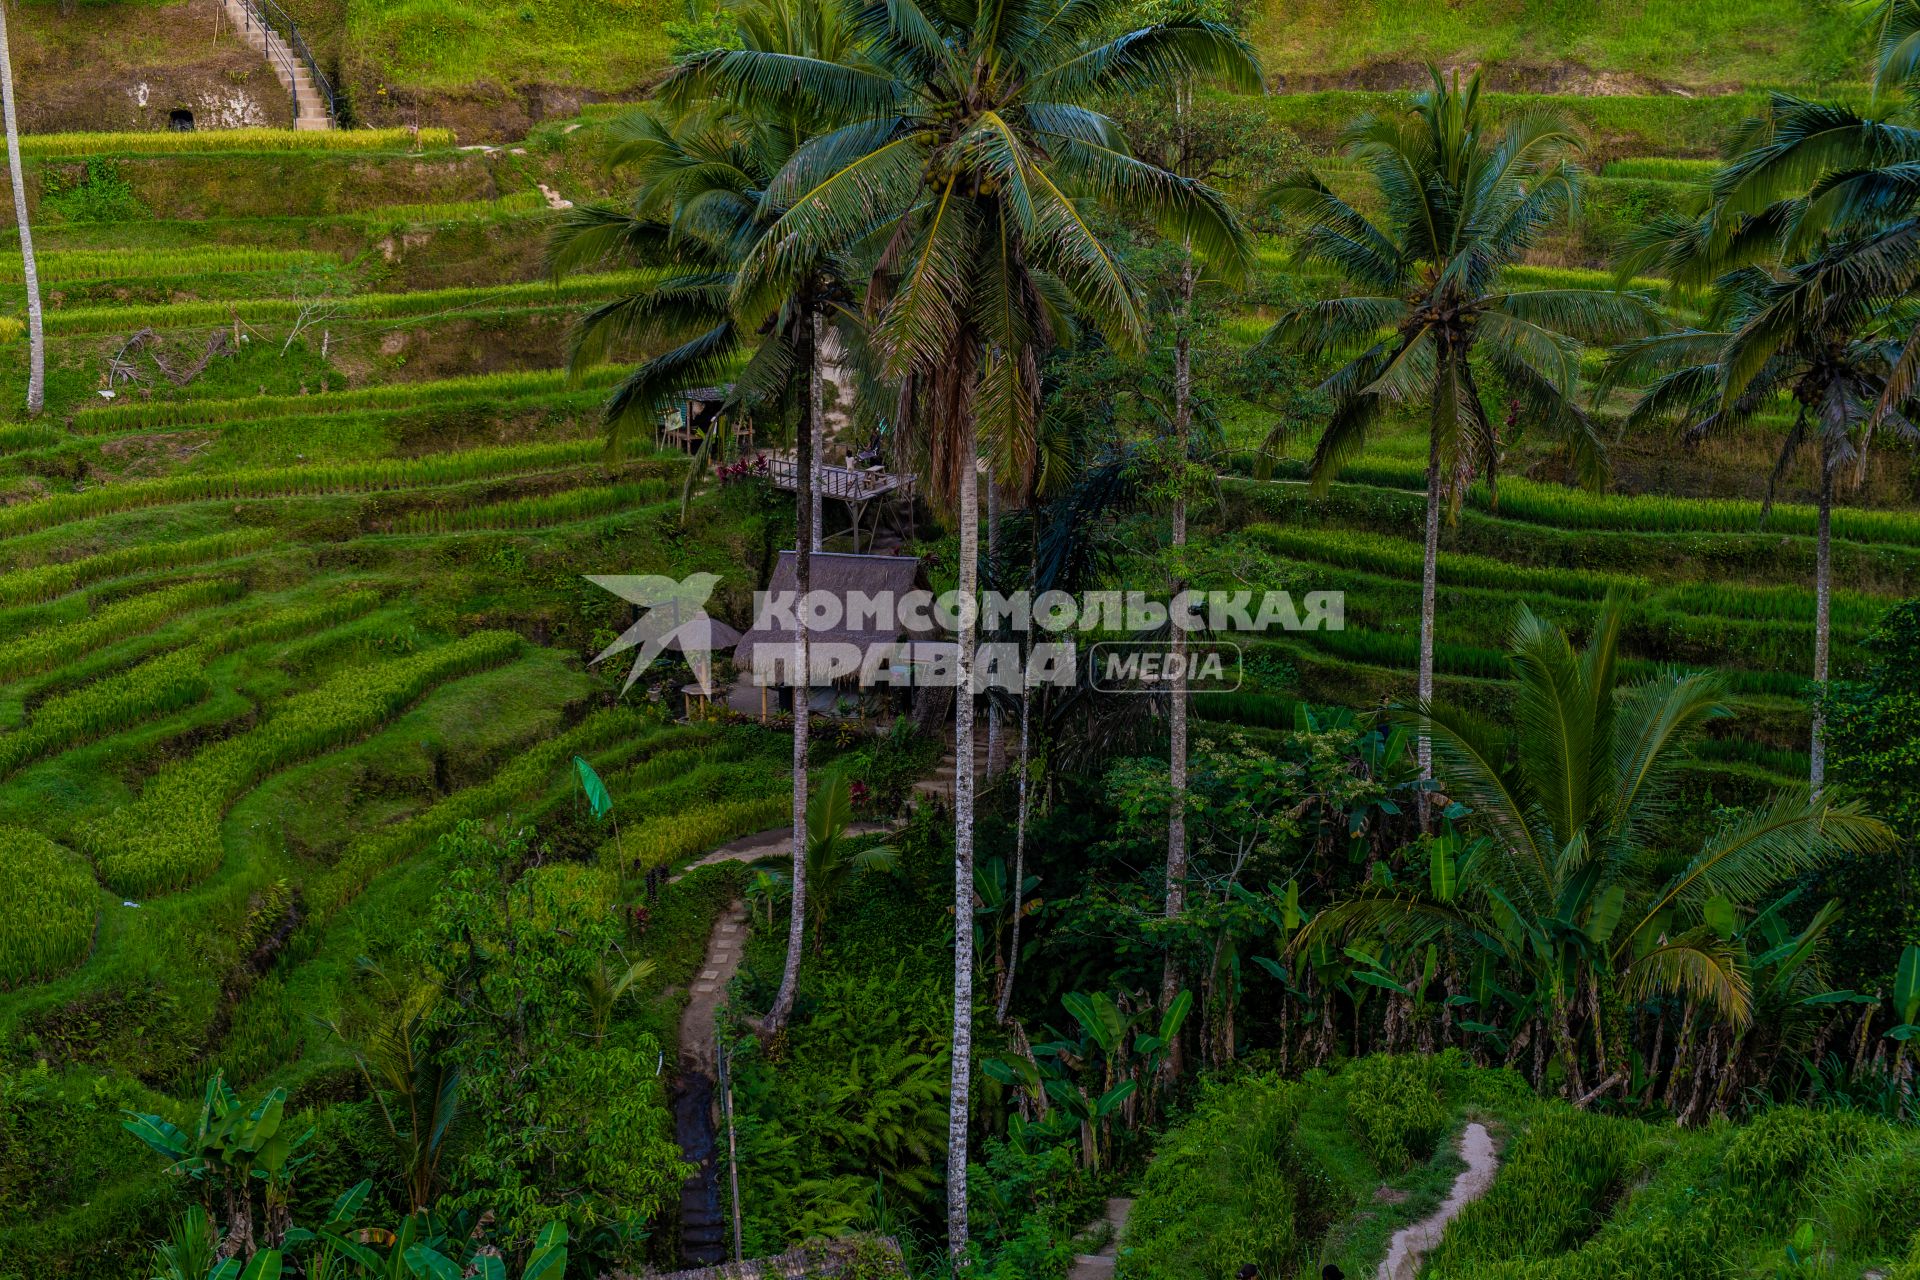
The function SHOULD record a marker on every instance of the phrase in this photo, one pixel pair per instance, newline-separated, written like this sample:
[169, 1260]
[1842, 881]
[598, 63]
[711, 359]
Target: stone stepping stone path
[1100, 1265]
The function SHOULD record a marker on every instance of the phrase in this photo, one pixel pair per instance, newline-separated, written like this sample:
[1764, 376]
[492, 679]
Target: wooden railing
[843, 484]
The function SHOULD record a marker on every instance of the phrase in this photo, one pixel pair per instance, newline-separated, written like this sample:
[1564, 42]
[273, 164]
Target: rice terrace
[1050, 640]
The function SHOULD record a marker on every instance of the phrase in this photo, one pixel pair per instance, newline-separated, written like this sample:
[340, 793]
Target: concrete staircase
[294, 74]
[939, 785]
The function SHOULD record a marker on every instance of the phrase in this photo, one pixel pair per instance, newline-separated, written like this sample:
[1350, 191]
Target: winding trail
[1412, 1243]
[704, 1235]
[703, 1226]
[704, 1231]
[1112, 1224]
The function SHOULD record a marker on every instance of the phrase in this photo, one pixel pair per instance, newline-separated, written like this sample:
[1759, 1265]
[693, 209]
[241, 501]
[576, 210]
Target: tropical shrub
[48, 902]
[852, 1112]
[569, 1129]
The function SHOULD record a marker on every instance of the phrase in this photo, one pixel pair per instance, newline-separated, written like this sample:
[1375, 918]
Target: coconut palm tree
[701, 204]
[1464, 197]
[1811, 238]
[972, 138]
[1574, 887]
[1823, 334]
[29, 269]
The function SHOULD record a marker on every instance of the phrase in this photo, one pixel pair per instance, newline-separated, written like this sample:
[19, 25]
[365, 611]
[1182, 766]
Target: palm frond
[1699, 967]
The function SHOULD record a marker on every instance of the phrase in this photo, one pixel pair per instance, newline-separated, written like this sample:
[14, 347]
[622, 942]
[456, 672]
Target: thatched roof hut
[843, 575]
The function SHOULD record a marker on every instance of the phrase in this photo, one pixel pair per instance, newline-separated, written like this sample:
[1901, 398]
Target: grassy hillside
[1568, 46]
[492, 69]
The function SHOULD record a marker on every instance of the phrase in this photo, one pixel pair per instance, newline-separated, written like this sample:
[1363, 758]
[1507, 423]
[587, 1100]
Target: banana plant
[232, 1145]
[1092, 1114]
[599, 799]
[425, 1246]
[768, 889]
[1906, 995]
[830, 864]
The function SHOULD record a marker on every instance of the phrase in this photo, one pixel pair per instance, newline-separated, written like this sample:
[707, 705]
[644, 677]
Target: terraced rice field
[269, 631]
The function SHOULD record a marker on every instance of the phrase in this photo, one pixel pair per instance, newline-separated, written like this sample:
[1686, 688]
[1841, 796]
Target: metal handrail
[275, 21]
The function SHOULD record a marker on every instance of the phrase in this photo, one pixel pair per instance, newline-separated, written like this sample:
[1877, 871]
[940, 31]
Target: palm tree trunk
[993, 550]
[969, 591]
[1822, 613]
[1177, 712]
[816, 431]
[1022, 784]
[1564, 1041]
[29, 270]
[1429, 575]
[806, 533]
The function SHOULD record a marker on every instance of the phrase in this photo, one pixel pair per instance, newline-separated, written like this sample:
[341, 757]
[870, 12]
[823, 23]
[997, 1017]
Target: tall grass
[157, 142]
[48, 902]
[517, 204]
[363, 306]
[1535, 502]
[428, 471]
[1664, 169]
[15, 437]
[438, 393]
[1234, 1184]
[1402, 558]
[144, 692]
[44, 582]
[1575, 509]
[543, 509]
[1663, 124]
[170, 836]
[527, 775]
[1547, 1198]
[664, 840]
[160, 685]
[50, 647]
[147, 264]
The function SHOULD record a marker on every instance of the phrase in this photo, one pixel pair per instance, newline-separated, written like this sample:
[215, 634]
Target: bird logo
[673, 616]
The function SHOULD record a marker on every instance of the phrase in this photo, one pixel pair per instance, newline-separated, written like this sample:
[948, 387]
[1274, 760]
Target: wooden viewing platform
[856, 487]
